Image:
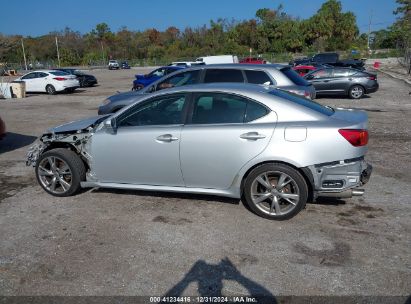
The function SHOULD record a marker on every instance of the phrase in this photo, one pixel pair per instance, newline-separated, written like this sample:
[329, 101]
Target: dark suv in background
[273, 75]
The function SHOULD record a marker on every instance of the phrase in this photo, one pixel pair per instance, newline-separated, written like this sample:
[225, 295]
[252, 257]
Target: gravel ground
[109, 242]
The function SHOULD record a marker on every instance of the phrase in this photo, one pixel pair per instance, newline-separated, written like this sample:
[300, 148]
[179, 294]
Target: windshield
[303, 102]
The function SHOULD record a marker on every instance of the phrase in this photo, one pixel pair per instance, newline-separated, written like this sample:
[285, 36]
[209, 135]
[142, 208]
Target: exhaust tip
[358, 192]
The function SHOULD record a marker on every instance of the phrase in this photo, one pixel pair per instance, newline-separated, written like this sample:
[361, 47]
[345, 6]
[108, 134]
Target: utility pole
[24, 54]
[369, 33]
[102, 52]
[58, 53]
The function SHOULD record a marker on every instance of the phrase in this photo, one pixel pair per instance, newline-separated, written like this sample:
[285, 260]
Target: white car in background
[49, 81]
[113, 65]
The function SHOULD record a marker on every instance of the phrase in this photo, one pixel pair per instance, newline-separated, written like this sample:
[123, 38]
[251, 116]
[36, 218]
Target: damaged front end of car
[74, 136]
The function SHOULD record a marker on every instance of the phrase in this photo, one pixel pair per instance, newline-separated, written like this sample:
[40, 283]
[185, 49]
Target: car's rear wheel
[50, 89]
[275, 191]
[60, 171]
[356, 92]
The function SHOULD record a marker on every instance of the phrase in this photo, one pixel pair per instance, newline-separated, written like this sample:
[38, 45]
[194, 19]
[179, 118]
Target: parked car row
[57, 80]
[273, 76]
[330, 59]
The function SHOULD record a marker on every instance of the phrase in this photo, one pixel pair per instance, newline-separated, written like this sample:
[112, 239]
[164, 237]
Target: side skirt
[234, 193]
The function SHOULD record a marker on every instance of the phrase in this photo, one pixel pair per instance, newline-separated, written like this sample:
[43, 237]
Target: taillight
[355, 137]
[59, 78]
[307, 94]
[372, 77]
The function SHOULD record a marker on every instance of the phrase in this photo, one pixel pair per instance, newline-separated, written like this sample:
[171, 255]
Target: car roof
[240, 65]
[219, 86]
[42, 71]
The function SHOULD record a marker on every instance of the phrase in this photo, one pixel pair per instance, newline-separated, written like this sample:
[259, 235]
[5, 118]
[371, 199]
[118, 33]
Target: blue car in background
[144, 80]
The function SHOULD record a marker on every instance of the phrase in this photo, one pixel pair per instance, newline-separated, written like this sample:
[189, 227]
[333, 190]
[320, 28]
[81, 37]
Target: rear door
[342, 80]
[222, 135]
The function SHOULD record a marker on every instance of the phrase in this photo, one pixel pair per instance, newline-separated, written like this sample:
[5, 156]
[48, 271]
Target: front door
[30, 80]
[145, 147]
[322, 80]
[221, 137]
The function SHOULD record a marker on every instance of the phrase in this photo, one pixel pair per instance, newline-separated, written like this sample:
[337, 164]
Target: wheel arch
[68, 146]
[356, 85]
[305, 172]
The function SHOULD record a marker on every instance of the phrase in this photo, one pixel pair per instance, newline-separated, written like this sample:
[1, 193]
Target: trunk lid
[356, 118]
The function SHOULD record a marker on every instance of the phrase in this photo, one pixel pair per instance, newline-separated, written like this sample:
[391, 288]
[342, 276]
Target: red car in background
[2, 128]
[253, 60]
[304, 69]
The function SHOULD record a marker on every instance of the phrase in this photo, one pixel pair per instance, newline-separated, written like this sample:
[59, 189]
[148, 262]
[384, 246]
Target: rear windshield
[59, 73]
[294, 77]
[303, 101]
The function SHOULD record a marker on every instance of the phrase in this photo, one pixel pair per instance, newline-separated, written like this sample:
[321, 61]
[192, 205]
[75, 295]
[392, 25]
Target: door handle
[166, 138]
[252, 136]
[326, 81]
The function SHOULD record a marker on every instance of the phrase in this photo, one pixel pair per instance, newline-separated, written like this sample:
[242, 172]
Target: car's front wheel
[356, 92]
[275, 191]
[60, 171]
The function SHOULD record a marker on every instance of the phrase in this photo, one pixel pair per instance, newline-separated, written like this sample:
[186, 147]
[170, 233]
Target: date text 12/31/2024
[199, 299]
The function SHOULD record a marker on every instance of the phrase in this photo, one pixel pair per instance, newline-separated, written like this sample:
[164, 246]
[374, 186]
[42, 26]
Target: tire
[275, 202]
[50, 89]
[356, 92]
[138, 87]
[66, 175]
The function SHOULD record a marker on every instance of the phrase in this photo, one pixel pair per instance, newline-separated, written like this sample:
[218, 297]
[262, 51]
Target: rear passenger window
[223, 75]
[216, 108]
[255, 111]
[180, 79]
[258, 77]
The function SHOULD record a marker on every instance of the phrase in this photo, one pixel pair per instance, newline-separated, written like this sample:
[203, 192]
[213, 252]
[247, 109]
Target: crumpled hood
[79, 124]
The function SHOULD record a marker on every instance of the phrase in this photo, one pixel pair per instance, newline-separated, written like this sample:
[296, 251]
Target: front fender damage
[78, 141]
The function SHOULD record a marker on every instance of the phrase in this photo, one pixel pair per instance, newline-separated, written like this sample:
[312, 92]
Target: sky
[38, 17]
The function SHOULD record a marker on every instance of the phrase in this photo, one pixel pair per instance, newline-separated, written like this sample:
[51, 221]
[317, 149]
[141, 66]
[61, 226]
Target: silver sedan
[273, 149]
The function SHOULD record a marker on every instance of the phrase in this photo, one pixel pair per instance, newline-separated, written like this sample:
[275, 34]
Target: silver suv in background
[272, 75]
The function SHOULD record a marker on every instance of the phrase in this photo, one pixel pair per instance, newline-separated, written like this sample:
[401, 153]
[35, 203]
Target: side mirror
[110, 125]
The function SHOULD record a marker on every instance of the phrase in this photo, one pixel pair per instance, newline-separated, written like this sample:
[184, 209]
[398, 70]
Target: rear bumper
[339, 179]
[372, 89]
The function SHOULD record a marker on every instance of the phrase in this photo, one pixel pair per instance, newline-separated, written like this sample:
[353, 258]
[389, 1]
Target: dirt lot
[106, 242]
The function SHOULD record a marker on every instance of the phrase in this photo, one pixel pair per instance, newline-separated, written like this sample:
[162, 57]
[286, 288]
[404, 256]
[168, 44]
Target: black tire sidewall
[78, 174]
[298, 178]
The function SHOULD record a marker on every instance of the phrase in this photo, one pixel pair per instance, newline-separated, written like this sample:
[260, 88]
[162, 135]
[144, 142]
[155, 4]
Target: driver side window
[165, 110]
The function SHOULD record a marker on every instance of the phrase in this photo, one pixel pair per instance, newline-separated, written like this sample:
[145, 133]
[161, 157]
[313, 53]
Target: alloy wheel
[55, 175]
[275, 193]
